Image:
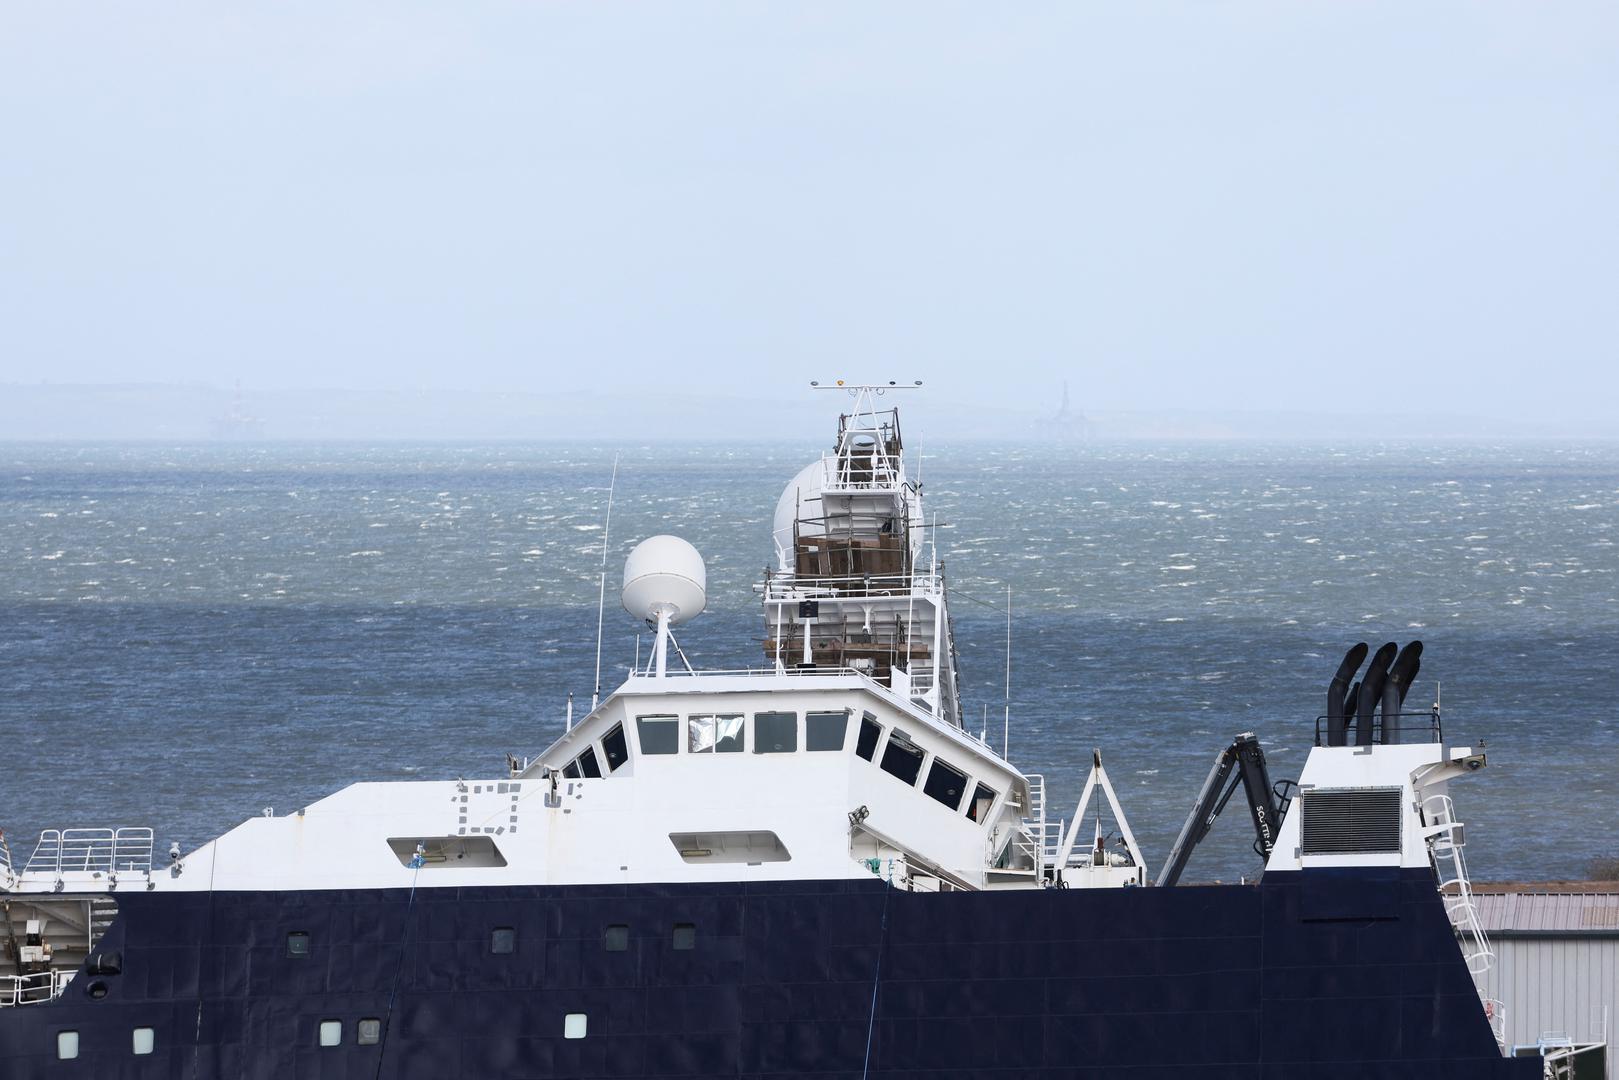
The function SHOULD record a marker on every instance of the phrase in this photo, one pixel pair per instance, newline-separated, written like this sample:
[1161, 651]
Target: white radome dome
[665, 573]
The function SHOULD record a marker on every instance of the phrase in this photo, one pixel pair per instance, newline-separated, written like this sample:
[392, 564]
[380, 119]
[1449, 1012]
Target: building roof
[1539, 910]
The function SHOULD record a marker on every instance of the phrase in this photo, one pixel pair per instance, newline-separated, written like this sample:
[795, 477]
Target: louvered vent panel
[1362, 821]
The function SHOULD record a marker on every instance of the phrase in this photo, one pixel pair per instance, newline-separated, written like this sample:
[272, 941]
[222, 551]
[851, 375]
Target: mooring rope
[877, 975]
[404, 941]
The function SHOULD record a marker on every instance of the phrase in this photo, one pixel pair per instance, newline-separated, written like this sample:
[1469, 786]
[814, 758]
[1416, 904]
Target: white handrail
[73, 851]
[35, 989]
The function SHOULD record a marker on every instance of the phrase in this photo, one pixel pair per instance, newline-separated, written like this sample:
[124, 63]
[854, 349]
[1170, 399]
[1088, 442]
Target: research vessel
[811, 868]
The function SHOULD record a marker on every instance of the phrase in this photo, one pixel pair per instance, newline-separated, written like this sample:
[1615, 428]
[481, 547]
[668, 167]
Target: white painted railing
[33, 989]
[76, 851]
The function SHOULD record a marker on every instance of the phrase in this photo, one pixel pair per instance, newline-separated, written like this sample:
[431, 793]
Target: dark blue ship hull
[1320, 974]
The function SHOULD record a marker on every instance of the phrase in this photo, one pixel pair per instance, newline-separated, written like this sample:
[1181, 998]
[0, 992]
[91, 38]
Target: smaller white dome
[665, 573]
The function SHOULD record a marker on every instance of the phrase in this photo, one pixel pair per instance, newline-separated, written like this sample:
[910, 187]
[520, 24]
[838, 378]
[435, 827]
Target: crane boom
[1241, 762]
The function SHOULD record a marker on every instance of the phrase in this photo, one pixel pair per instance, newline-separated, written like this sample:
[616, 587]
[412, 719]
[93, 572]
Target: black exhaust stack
[1401, 675]
[1340, 694]
[1371, 692]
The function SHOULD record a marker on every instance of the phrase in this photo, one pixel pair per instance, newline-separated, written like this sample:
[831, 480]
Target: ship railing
[793, 587]
[1399, 729]
[882, 473]
[34, 989]
[79, 851]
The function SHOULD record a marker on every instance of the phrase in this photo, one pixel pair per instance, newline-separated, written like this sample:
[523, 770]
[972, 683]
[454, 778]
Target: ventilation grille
[1361, 821]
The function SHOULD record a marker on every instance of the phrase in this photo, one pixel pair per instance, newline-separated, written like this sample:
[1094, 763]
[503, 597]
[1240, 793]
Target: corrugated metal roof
[1543, 912]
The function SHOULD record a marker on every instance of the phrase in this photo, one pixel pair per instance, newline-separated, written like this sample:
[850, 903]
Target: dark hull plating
[1321, 974]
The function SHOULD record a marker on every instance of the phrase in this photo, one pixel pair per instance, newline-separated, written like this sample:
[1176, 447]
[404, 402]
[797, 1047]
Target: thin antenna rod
[1006, 716]
[601, 595]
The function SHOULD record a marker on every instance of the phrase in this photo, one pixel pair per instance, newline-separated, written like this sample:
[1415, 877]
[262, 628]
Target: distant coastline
[205, 412]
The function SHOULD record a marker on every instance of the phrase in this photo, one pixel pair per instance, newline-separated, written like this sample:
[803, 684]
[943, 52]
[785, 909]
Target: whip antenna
[1006, 716]
[601, 594]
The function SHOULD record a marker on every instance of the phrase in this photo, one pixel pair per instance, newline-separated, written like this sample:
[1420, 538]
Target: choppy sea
[191, 633]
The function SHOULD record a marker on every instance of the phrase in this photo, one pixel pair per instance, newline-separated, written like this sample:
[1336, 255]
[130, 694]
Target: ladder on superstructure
[1445, 843]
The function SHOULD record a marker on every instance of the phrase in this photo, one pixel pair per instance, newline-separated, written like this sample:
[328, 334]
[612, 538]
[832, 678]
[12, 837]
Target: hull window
[716, 734]
[331, 1033]
[298, 945]
[685, 937]
[825, 730]
[616, 938]
[615, 747]
[870, 732]
[503, 941]
[67, 1045]
[143, 1041]
[659, 734]
[368, 1032]
[775, 733]
[574, 1026]
[946, 784]
[902, 758]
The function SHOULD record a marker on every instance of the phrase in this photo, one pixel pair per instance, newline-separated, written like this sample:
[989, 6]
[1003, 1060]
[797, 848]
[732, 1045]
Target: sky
[1344, 207]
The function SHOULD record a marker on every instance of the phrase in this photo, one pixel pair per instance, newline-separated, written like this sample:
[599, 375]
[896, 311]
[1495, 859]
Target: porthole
[96, 990]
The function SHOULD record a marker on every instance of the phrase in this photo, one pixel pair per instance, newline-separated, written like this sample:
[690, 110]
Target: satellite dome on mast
[665, 575]
[665, 583]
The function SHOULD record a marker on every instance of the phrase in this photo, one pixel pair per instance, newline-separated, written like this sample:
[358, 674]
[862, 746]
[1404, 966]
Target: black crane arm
[1242, 762]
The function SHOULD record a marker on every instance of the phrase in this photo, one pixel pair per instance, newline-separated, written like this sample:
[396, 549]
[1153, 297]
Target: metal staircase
[1445, 844]
[1040, 839]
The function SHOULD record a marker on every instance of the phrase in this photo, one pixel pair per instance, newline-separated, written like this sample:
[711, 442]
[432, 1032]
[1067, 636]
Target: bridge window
[902, 758]
[588, 765]
[945, 784]
[983, 799]
[143, 1040]
[615, 747]
[571, 770]
[870, 732]
[775, 732]
[825, 730]
[715, 734]
[659, 734]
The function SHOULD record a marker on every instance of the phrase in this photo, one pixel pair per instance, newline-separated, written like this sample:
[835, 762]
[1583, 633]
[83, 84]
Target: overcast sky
[1295, 206]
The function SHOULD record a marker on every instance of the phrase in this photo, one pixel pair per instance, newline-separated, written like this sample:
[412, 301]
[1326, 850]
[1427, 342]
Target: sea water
[192, 633]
